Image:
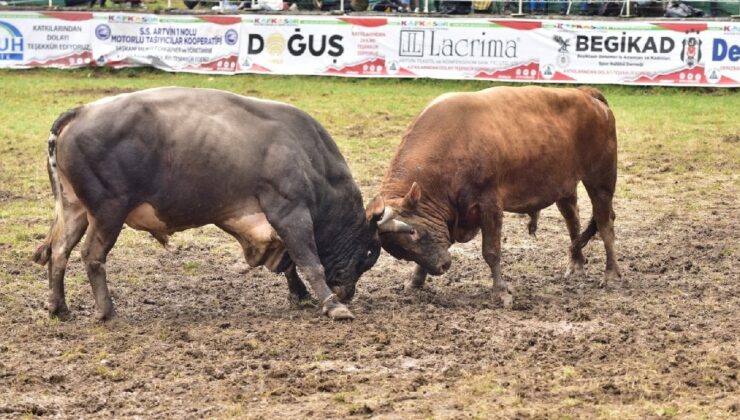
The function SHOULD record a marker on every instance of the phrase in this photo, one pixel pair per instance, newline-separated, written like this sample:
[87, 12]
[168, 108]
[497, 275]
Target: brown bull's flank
[476, 155]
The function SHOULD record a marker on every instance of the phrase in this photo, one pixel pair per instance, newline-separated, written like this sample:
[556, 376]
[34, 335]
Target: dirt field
[200, 334]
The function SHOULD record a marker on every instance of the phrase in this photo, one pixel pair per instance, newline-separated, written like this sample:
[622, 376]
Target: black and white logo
[412, 44]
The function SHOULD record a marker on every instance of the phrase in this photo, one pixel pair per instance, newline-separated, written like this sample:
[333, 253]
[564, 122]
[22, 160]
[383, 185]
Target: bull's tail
[586, 235]
[43, 252]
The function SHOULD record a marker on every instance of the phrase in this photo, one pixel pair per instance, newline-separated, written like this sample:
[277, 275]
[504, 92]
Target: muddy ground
[199, 334]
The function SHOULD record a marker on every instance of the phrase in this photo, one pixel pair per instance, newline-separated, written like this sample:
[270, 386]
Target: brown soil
[201, 335]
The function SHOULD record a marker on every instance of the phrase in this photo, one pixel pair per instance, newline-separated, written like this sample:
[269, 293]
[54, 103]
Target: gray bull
[169, 159]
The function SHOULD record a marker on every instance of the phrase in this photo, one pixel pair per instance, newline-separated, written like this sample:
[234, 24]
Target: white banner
[689, 53]
[612, 52]
[203, 44]
[45, 39]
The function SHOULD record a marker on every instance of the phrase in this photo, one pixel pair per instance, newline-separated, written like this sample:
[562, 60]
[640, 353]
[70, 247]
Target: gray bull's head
[408, 234]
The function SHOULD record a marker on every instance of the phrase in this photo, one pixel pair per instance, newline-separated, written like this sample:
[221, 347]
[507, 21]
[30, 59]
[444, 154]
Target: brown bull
[468, 157]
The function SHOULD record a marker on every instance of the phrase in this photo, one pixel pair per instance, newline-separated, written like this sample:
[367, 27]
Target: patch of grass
[568, 373]
[319, 355]
[111, 374]
[667, 411]
[253, 344]
[191, 267]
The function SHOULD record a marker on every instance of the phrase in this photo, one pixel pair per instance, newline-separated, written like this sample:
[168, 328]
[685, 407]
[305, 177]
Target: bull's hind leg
[568, 207]
[75, 223]
[491, 220]
[101, 236]
[603, 214]
[299, 295]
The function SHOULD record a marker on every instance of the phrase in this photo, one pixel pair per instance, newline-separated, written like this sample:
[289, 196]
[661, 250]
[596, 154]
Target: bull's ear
[411, 199]
[374, 210]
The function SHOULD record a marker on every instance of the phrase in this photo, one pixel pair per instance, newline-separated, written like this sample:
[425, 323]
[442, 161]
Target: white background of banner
[692, 53]
[47, 41]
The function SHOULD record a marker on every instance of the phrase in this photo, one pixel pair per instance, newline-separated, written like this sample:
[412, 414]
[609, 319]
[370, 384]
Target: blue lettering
[16, 44]
[720, 51]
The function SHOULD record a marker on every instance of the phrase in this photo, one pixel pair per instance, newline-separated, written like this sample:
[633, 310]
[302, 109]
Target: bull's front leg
[330, 304]
[292, 220]
[491, 219]
[417, 279]
[298, 295]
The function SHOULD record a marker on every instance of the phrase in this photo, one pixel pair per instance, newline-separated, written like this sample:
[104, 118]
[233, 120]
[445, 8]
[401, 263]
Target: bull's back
[195, 155]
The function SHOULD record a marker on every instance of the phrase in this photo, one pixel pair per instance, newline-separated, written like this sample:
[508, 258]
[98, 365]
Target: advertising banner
[673, 53]
[45, 39]
[330, 45]
[611, 52]
[652, 53]
[203, 44]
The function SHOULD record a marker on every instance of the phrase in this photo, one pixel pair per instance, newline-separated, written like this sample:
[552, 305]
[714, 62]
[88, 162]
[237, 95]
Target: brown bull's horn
[388, 224]
[388, 214]
[395, 226]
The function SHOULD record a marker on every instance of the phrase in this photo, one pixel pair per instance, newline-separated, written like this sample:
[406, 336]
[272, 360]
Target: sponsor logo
[102, 32]
[138, 19]
[298, 44]
[393, 67]
[564, 43]
[625, 44]
[691, 49]
[548, 71]
[275, 44]
[231, 37]
[563, 58]
[424, 23]
[275, 21]
[415, 43]
[721, 51]
[412, 44]
[11, 42]
[713, 75]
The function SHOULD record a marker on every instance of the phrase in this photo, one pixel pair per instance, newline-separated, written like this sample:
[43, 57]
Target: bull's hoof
[338, 312]
[413, 285]
[504, 293]
[62, 314]
[300, 302]
[610, 276]
[507, 300]
[105, 316]
[575, 271]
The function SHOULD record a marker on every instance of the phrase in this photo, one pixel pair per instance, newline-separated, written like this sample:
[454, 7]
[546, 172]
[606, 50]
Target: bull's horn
[387, 223]
[388, 214]
[395, 226]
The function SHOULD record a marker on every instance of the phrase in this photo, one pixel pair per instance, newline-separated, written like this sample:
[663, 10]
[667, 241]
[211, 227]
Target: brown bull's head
[408, 234]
